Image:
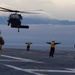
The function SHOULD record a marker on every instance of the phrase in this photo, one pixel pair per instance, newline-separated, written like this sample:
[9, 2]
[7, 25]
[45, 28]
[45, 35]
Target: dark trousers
[28, 48]
[52, 50]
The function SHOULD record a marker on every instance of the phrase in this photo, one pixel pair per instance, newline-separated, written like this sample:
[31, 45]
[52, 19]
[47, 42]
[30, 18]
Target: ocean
[39, 47]
[39, 35]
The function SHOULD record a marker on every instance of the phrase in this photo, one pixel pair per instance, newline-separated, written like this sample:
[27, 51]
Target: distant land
[39, 20]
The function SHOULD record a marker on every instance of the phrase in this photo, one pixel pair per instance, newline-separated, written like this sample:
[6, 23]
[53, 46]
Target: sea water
[39, 47]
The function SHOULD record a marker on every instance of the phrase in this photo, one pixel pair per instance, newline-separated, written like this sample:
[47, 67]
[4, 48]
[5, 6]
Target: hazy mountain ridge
[39, 20]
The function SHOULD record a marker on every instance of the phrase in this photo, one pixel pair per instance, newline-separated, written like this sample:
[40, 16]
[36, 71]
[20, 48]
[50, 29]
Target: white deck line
[22, 59]
[39, 72]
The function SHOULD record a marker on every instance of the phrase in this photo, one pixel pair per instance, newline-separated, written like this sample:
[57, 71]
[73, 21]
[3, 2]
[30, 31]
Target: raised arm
[57, 43]
[27, 43]
[48, 42]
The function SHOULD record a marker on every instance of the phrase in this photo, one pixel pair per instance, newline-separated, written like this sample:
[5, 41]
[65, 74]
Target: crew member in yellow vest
[1, 42]
[52, 49]
[28, 45]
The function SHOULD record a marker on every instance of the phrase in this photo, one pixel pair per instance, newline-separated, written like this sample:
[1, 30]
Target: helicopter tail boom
[23, 26]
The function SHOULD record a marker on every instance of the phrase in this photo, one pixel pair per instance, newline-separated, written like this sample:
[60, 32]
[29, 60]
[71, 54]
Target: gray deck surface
[36, 62]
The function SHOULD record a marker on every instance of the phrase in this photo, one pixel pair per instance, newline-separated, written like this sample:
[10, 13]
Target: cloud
[63, 2]
[61, 9]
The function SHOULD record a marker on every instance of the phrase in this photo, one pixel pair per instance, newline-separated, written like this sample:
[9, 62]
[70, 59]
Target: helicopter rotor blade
[26, 12]
[4, 10]
[9, 10]
[35, 10]
[16, 11]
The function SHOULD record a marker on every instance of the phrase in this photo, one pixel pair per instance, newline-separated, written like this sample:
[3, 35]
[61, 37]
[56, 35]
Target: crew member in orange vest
[28, 45]
[52, 49]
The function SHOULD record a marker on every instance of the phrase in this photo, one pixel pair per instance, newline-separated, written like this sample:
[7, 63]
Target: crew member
[28, 46]
[74, 45]
[1, 42]
[52, 49]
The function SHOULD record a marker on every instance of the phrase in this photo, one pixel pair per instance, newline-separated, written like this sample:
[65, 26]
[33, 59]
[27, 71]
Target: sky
[59, 9]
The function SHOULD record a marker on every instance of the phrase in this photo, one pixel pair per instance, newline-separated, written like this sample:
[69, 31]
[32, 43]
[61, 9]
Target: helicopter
[15, 19]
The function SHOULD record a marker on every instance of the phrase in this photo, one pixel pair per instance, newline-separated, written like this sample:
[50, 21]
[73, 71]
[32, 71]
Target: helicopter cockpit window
[14, 16]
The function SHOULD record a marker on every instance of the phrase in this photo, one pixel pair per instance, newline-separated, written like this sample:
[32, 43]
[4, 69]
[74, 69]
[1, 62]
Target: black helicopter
[15, 19]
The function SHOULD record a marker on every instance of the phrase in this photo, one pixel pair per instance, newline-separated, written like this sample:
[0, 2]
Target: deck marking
[22, 59]
[35, 71]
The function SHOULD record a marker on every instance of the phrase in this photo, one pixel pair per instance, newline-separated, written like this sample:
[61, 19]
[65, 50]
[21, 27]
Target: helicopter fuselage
[15, 20]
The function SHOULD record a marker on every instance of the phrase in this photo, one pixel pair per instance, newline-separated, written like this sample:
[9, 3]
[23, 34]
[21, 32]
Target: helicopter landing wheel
[18, 29]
